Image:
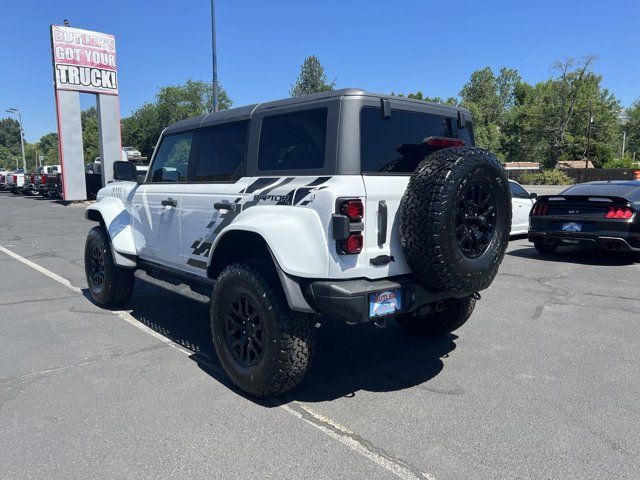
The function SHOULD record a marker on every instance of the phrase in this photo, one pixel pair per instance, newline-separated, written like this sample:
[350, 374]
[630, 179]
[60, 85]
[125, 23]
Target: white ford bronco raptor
[344, 205]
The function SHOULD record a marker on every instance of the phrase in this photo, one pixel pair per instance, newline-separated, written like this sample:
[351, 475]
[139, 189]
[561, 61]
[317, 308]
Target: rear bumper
[619, 241]
[348, 300]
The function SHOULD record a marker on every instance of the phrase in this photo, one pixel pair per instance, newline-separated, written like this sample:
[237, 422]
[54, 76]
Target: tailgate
[388, 189]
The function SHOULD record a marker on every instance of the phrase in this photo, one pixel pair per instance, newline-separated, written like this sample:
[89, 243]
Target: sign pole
[214, 56]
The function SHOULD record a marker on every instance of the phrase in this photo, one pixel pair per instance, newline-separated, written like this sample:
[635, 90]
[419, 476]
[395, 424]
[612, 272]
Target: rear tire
[109, 284]
[264, 347]
[545, 248]
[456, 312]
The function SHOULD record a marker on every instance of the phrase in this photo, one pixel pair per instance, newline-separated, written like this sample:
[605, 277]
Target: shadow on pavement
[348, 358]
[595, 257]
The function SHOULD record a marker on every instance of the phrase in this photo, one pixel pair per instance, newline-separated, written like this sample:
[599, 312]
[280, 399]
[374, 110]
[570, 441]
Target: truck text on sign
[84, 61]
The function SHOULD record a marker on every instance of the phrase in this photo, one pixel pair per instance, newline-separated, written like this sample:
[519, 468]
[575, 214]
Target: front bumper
[348, 300]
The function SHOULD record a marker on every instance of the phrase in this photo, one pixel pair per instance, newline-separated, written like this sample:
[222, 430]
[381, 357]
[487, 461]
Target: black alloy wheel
[97, 268]
[475, 220]
[244, 331]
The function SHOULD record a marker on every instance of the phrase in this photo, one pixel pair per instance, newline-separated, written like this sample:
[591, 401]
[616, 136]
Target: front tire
[109, 284]
[455, 313]
[264, 347]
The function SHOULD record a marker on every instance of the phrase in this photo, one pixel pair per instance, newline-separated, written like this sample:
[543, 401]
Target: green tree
[489, 97]
[48, 146]
[90, 139]
[420, 96]
[312, 78]
[632, 127]
[172, 103]
[550, 121]
[10, 150]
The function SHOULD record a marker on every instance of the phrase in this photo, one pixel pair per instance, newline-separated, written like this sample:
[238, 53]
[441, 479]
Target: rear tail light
[619, 212]
[348, 226]
[444, 142]
[43, 179]
[354, 209]
[540, 209]
[15, 178]
[353, 244]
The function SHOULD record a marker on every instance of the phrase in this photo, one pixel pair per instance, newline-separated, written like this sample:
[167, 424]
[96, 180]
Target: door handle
[225, 206]
[382, 229]
[169, 202]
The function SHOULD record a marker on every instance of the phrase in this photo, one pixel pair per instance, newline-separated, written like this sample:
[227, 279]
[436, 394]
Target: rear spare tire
[455, 219]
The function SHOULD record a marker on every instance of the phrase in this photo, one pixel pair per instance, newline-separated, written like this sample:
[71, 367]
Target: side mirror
[125, 171]
[533, 195]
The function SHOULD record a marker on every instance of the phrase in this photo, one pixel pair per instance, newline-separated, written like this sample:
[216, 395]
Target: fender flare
[294, 235]
[113, 214]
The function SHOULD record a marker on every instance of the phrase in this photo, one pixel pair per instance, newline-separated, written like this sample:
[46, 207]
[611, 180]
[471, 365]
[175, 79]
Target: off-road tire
[118, 283]
[289, 337]
[545, 248]
[428, 213]
[456, 312]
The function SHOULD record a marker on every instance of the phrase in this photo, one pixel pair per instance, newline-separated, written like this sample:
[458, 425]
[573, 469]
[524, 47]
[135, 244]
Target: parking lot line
[329, 427]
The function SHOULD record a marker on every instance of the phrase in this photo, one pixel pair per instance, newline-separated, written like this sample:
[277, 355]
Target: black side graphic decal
[197, 263]
[261, 183]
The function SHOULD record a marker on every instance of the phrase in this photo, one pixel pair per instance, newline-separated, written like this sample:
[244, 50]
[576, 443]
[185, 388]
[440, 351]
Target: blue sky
[381, 46]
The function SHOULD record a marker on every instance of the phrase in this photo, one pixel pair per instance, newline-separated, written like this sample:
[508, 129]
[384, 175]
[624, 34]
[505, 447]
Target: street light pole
[24, 159]
[214, 56]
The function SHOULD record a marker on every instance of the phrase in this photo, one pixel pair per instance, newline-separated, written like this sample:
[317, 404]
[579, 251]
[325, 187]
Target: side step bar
[179, 288]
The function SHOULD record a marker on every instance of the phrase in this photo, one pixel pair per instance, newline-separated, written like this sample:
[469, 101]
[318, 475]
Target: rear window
[395, 145]
[293, 141]
[624, 190]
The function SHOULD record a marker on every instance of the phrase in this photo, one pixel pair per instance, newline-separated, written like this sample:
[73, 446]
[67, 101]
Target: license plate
[571, 227]
[385, 302]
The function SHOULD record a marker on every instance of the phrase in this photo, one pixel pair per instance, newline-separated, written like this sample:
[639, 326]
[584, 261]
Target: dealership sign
[84, 61]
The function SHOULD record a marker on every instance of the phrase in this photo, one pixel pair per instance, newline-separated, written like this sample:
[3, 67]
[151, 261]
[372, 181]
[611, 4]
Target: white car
[521, 204]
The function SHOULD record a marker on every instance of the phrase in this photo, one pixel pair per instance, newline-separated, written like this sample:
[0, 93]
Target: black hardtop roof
[245, 112]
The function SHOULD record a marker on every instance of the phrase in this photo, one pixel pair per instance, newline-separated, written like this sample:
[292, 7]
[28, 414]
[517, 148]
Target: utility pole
[24, 159]
[586, 160]
[214, 56]
[624, 139]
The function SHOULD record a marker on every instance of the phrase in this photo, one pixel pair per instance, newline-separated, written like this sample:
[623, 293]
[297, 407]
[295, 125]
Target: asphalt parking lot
[542, 382]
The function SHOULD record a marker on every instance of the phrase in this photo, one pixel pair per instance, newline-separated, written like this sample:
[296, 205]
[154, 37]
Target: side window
[293, 141]
[517, 191]
[220, 153]
[170, 163]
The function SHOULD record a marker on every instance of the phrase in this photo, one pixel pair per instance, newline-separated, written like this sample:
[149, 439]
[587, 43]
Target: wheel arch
[112, 214]
[236, 245]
